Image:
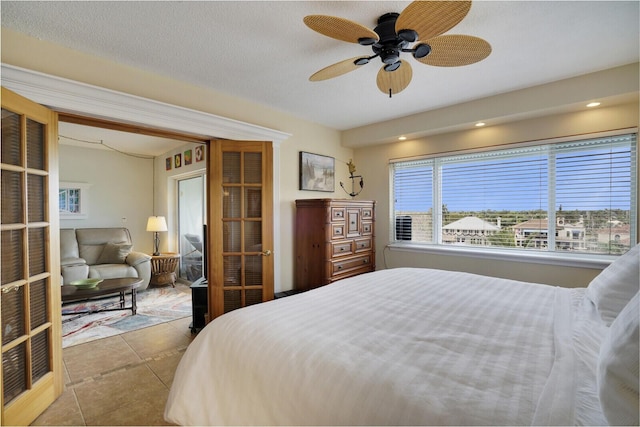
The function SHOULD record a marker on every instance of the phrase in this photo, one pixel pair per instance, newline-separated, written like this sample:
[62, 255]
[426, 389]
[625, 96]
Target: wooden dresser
[334, 240]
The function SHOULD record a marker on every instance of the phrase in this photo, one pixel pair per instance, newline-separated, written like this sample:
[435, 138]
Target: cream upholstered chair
[101, 253]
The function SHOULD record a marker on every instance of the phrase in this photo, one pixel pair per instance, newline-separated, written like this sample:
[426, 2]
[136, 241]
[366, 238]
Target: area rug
[155, 305]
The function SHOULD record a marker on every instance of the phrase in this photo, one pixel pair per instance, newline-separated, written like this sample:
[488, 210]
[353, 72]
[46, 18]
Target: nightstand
[163, 269]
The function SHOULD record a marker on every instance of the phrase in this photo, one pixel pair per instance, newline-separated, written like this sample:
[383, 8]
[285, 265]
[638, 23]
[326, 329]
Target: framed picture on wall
[168, 163]
[73, 200]
[199, 153]
[317, 172]
[187, 157]
[177, 160]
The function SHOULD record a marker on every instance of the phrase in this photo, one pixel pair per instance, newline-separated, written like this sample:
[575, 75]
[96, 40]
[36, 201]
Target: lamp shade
[156, 223]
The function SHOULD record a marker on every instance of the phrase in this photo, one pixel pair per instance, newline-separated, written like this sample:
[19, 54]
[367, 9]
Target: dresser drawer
[367, 228]
[341, 248]
[337, 213]
[362, 245]
[367, 214]
[338, 231]
[347, 265]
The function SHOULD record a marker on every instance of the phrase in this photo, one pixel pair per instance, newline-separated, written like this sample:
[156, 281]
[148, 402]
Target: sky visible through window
[593, 179]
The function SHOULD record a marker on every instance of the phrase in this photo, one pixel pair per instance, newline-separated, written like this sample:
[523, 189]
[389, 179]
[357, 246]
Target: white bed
[420, 346]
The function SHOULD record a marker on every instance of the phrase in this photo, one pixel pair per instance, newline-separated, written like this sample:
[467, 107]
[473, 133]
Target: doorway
[145, 115]
[65, 95]
[191, 214]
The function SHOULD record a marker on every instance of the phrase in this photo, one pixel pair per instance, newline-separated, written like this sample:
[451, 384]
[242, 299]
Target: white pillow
[618, 367]
[614, 287]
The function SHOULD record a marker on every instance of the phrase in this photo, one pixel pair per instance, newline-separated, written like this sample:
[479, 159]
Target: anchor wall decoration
[352, 177]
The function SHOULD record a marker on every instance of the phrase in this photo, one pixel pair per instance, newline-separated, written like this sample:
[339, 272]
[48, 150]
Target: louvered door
[240, 225]
[29, 265]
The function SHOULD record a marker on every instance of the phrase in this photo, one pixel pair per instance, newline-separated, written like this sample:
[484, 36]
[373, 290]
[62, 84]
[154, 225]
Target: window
[72, 200]
[577, 196]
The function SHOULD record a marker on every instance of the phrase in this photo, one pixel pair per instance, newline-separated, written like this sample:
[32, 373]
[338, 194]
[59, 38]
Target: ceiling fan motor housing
[389, 45]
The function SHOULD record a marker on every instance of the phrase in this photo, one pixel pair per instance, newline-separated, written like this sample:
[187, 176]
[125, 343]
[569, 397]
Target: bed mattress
[403, 346]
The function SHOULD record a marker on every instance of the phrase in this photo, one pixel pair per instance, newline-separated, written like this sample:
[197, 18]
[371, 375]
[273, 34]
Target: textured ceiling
[263, 52]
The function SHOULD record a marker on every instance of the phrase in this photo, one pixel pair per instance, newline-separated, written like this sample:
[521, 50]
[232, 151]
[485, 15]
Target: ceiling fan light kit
[422, 22]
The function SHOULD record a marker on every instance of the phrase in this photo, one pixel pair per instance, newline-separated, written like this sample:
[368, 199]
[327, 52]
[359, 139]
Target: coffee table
[120, 286]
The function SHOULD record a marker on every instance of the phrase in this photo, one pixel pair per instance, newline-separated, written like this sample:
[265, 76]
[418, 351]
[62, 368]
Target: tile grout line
[159, 356]
[75, 396]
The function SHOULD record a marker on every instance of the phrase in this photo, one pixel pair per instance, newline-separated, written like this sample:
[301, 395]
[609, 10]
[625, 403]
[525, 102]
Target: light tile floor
[120, 380]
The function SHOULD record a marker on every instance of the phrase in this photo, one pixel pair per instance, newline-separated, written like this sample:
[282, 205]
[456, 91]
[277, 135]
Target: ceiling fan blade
[456, 50]
[432, 18]
[392, 82]
[336, 69]
[340, 28]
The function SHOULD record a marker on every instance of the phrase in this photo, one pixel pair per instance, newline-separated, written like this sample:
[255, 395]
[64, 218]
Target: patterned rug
[155, 305]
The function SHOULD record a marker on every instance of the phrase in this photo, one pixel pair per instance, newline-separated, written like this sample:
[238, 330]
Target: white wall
[23, 51]
[373, 163]
[120, 194]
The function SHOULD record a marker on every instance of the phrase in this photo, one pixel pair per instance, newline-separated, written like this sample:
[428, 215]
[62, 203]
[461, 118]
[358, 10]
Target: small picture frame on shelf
[317, 172]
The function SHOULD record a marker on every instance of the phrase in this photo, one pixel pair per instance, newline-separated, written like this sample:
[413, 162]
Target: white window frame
[584, 260]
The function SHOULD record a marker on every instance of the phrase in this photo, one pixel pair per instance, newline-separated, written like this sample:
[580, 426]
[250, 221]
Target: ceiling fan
[421, 23]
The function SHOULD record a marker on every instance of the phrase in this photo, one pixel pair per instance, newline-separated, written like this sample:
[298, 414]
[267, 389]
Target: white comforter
[398, 346]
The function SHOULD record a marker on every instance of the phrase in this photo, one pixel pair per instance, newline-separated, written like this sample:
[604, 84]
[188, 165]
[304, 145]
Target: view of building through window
[502, 198]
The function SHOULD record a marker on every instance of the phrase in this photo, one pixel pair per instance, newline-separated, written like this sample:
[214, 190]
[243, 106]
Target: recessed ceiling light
[480, 124]
[593, 104]
[402, 138]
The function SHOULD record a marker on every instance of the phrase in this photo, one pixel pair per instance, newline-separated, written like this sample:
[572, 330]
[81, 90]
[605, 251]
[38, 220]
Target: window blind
[413, 201]
[570, 196]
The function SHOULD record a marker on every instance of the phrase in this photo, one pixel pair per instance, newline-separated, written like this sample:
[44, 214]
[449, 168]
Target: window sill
[565, 259]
